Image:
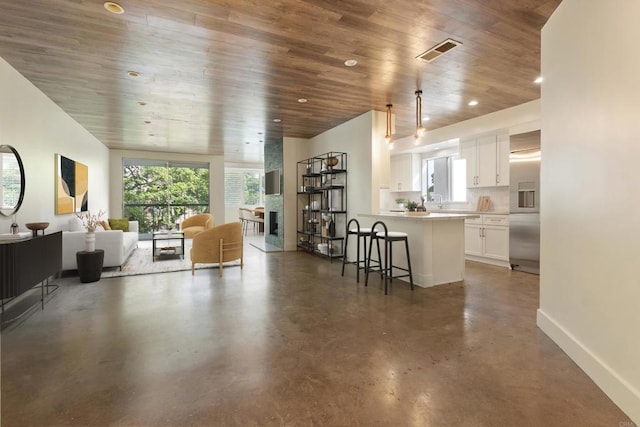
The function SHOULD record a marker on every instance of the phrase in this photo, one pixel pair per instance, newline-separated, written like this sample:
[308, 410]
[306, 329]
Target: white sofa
[117, 246]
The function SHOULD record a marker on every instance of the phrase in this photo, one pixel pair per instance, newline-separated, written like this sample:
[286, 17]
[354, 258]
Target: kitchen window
[444, 179]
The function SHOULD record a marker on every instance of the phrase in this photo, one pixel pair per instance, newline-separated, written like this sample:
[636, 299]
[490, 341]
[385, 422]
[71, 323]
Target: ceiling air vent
[439, 49]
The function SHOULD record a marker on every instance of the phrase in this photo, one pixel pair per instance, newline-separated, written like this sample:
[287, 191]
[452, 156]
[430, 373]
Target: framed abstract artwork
[72, 186]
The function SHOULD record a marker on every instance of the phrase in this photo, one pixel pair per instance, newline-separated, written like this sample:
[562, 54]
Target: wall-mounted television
[272, 182]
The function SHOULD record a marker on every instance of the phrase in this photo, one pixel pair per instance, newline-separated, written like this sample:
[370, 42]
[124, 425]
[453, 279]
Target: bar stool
[386, 268]
[360, 233]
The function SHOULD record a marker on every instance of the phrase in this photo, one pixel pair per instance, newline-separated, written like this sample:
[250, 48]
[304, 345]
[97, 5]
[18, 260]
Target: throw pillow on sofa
[119, 224]
[105, 225]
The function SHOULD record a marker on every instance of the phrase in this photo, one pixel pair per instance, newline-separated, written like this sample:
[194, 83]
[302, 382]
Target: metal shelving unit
[322, 204]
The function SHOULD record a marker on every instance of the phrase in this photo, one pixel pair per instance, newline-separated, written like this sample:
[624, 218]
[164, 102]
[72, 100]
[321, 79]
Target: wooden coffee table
[167, 242]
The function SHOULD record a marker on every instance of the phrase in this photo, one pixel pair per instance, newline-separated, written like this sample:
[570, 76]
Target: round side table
[90, 265]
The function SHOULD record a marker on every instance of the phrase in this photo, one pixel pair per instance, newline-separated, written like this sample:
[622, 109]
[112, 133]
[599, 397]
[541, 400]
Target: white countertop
[469, 211]
[423, 216]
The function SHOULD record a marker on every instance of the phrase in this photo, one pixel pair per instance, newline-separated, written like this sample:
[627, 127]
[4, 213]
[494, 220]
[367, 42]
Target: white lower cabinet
[487, 239]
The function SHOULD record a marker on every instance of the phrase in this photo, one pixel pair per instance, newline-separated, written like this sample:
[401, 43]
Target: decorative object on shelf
[400, 202]
[330, 162]
[313, 225]
[419, 128]
[35, 227]
[387, 136]
[328, 226]
[91, 222]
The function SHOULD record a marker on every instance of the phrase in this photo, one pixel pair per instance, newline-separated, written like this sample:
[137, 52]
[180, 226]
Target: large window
[160, 194]
[444, 179]
[243, 187]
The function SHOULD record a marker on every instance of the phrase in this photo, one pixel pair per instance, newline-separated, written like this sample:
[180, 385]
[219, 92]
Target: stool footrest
[386, 267]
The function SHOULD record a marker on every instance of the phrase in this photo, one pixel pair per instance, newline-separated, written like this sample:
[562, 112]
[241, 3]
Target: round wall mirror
[12, 179]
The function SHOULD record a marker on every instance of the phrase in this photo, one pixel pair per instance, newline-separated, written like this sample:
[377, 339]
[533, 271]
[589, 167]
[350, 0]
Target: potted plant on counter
[400, 202]
[411, 206]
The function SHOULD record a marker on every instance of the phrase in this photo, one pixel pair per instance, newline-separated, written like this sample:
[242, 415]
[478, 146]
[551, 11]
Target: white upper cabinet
[404, 173]
[487, 161]
[502, 178]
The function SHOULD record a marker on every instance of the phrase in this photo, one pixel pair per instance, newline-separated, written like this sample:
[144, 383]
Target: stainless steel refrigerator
[524, 202]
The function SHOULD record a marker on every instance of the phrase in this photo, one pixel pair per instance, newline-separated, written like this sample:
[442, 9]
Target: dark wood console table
[25, 263]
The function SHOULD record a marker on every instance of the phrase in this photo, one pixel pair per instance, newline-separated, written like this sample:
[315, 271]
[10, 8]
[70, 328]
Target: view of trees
[243, 187]
[158, 196]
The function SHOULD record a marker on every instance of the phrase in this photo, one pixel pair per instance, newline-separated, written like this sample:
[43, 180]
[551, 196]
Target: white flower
[90, 221]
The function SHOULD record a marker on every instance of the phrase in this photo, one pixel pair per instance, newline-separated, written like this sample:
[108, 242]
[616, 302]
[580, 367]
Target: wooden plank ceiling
[214, 74]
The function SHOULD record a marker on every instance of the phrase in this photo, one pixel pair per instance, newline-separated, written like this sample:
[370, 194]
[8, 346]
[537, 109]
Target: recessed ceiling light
[152, 134]
[247, 142]
[350, 62]
[147, 121]
[302, 100]
[133, 74]
[113, 7]
[142, 103]
[473, 103]
[277, 120]
[259, 133]
[261, 141]
[538, 80]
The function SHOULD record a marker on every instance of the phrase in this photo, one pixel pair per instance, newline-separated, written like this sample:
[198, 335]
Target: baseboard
[490, 261]
[620, 391]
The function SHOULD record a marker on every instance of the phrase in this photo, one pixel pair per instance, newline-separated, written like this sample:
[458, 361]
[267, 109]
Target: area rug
[140, 262]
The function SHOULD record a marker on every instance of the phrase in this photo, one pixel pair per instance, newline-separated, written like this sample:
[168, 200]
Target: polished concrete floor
[289, 342]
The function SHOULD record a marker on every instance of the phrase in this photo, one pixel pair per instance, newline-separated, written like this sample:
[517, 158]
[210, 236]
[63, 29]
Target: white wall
[39, 129]
[359, 138]
[294, 150]
[590, 243]
[216, 178]
[362, 138]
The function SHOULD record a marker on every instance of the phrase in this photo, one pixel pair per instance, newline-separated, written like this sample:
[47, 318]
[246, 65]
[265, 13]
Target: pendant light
[387, 136]
[419, 128]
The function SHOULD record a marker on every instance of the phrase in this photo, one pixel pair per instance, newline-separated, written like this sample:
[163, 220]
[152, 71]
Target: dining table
[259, 212]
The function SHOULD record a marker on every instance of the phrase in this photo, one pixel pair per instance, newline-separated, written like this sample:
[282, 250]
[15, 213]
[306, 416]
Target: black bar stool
[386, 268]
[361, 234]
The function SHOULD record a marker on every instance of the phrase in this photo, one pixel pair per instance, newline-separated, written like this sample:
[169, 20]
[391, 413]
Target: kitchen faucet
[439, 196]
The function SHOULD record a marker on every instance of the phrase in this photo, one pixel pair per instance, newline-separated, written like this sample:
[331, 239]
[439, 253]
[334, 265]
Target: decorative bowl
[36, 226]
[330, 162]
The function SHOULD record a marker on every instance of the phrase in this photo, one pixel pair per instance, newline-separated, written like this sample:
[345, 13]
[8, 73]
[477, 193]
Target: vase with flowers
[90, 222]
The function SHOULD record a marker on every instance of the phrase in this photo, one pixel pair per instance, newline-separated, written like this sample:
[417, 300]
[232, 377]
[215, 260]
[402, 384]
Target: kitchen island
[436, 244]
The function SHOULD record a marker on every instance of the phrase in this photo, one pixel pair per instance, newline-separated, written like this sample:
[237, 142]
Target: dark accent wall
[273, 160]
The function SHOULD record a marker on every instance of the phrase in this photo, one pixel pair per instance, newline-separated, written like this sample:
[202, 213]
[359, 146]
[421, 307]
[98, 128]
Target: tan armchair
[218, 245]
[196, 224]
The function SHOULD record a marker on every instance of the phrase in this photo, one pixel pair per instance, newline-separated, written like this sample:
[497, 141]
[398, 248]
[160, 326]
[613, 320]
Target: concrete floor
[288, 341]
